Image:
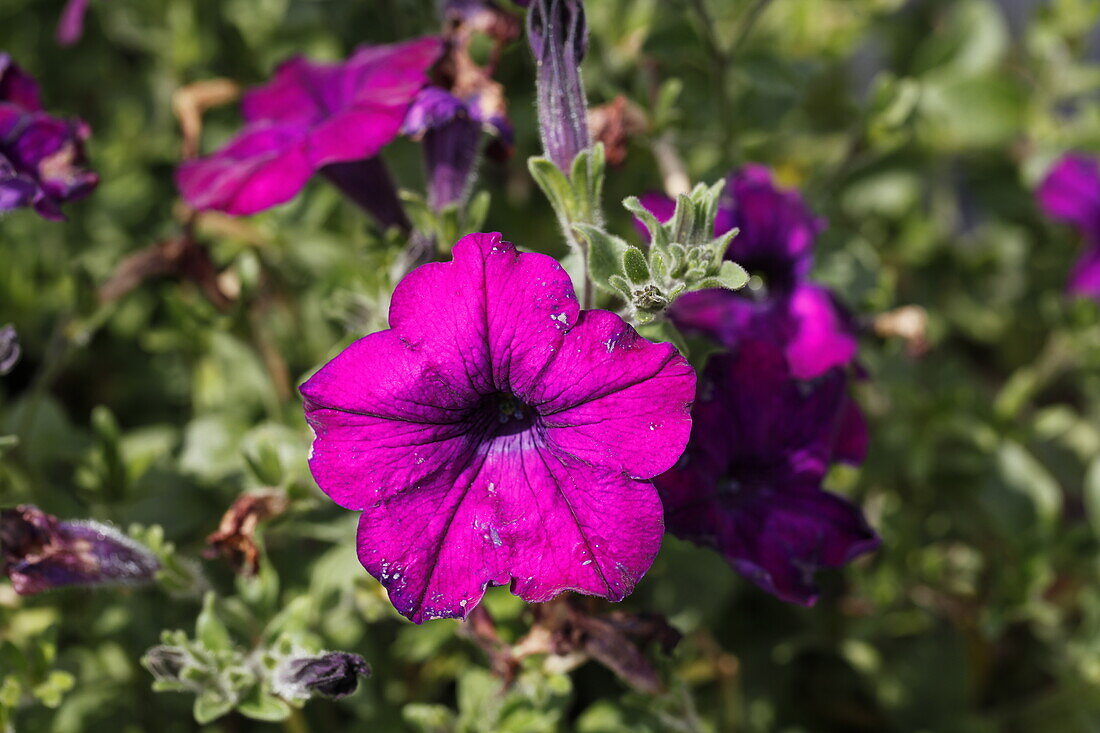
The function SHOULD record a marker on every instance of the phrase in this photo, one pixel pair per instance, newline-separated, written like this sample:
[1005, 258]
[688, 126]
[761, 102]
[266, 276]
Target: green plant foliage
[919, 130]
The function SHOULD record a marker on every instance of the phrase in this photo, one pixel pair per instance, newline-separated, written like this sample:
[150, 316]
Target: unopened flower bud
[331, 674]
[558, 35]
[38, 552]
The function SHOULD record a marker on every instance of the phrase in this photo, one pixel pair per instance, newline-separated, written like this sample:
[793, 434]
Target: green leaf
[554, 185]
[605, 254]
[657, 234]
[477, 211]
[262, 705]
[1092, 495]
[209, 707]
[634, 265]
[209, 629]
[732, 276]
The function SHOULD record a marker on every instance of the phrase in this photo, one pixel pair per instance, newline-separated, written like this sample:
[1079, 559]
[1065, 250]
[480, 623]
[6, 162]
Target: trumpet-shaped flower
[496, 433]
[749, 484]
[315, 117]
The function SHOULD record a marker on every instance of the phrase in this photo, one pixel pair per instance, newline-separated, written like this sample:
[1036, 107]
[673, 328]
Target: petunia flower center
[502, 414]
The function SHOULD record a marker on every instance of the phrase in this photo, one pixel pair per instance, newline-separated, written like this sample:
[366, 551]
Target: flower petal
[1084, 279]
[491, 318]
[384, 420]
[780, 539]
[515, 511]
[821, 338]
[263, 166]
[612, 398]
[1071, 192]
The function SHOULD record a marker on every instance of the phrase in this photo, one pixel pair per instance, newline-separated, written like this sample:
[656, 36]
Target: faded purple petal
[1084, 279]
[38, 552]
[749, 484]
[70, 27]
[780, 540]
[483, 436]
[1071, 192]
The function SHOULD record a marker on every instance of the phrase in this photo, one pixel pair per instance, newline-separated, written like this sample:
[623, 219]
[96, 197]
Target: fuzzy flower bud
[558, 35]
[331, 674]
[39, 552]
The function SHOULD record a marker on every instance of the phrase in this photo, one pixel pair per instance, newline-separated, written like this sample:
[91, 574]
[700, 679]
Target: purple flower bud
[70, 26]
[9, 348]
[38, 552]
[331, 674]
[558, 35]
[450, 129]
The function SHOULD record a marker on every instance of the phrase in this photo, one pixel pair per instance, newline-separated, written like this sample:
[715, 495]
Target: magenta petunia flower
[316, 117]
[777, 232]
[1071, 193]
[749, 484]
[498, 433]
[41, 156]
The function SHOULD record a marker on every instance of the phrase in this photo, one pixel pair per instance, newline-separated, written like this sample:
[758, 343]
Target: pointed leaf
[605, 254]
[732, 276]
[635, 266]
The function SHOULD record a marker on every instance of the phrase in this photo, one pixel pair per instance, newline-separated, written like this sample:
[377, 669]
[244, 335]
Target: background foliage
[919, 129]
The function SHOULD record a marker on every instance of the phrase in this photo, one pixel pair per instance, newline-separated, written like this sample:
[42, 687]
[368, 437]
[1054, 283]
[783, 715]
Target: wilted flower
[39, 552]
[9, 348]
[775, 240]
[316, 117]
[40, 155]
[613, 124]
[749, 484]
[496, 432]
[235, 538]
[558, 35]
[329, 674]
[1071, 192]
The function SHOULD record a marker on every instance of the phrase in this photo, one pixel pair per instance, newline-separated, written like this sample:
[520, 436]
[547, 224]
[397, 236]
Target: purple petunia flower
[775, 242]
[1071, 193]
[498, 433]
[749, 484]
[41, 156]
[38, 552]
[316, 117]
